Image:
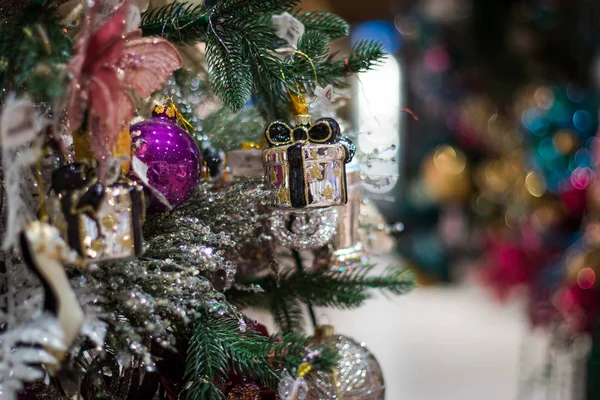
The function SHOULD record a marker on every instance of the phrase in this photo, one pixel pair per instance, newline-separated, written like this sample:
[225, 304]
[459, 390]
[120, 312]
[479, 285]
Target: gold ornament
[307, 154]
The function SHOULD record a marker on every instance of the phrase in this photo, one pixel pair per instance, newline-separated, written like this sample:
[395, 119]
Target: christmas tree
[137, 221]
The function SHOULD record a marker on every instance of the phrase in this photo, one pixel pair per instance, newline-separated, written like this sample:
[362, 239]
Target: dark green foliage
[287, 311]
[34, 51]
[182, 22]
[246, 9]
[332, 288]
[177, 22]
[218, 349]
[229, 71]
[241, 56]
[324, 23]
[365, 55]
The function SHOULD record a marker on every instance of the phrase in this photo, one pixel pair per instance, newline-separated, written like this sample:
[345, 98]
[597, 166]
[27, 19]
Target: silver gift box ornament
[306, 165]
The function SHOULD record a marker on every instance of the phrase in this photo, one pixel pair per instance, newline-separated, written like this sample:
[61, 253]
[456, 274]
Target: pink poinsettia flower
[108, 65]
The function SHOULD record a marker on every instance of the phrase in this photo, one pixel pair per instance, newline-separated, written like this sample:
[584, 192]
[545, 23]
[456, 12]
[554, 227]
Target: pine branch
[33, 52]
[324, 23]
[315, 45]
[183, 22]
[244, 8]
[365, 55]
[289, 351]
[287, 313]
[229, 72]
[177, 22]
[343, 290]
[217, 348]
[240, 50]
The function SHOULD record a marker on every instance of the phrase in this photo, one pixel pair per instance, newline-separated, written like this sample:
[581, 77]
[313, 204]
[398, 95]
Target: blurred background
[484, 118]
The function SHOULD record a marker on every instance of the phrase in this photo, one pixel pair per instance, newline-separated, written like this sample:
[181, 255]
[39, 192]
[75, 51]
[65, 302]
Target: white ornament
[20, 127]
[288, 28]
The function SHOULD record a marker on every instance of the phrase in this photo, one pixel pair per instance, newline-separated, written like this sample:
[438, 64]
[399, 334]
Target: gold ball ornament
[357, 375]
[445, 175]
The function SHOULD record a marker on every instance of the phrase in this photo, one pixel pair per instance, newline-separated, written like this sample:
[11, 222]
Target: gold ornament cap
[324, 331]
[303, 119]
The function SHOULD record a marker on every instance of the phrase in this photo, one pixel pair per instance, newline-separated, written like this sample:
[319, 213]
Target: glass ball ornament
[171, 154]
[304, 229]
[357, 376]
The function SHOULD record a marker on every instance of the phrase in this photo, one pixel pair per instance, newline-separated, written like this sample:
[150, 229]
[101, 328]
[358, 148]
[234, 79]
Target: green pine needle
[334, 288]
[245, 8]
[324, 23]
[288, 313]
[218, 348]
[229, 72]
[177, 22]
[365, 55]
[34, 51]
[240, 50]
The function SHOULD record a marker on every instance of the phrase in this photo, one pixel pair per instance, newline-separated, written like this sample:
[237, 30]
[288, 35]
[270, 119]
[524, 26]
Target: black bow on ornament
[323, 131]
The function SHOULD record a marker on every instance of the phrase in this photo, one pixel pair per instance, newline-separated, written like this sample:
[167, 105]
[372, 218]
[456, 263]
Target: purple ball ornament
[171, 154]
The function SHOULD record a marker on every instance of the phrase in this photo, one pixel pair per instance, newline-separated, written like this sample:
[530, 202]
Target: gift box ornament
[101, 222]
[306, 165]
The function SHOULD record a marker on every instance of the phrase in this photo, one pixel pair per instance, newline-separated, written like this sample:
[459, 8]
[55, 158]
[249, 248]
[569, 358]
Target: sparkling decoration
[306, 164]
[244, 392]
[100, 222]
[189, 251]
[301, 230]
[291, 388]
[171, 154]
[357, 376]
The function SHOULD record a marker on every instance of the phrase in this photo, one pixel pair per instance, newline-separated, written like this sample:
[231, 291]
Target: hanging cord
[300, 267]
